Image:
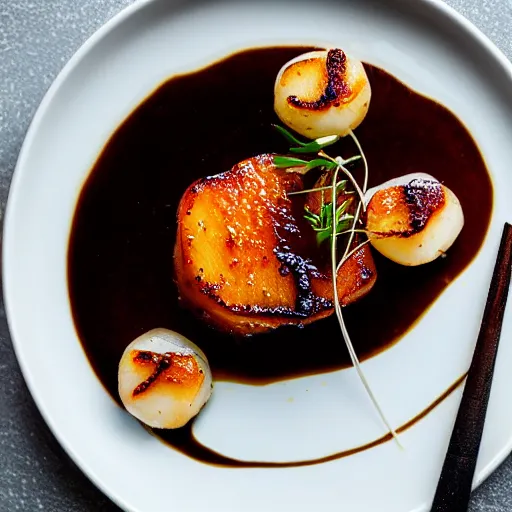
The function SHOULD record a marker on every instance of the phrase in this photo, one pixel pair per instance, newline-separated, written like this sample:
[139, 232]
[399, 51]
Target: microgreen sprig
[341, 184]
[322, 223]
[306, 147]
[302, 166]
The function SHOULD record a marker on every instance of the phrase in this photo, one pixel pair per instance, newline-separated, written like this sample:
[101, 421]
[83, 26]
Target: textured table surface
[37, 37]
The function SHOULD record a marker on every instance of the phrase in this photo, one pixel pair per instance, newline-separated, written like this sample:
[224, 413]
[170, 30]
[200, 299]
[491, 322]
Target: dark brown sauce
[120, 264]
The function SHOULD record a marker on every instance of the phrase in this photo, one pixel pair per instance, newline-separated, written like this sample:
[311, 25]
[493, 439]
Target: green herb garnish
[285, 162]
[322, 223]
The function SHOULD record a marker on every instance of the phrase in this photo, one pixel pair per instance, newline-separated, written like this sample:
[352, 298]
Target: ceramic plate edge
[437, 5]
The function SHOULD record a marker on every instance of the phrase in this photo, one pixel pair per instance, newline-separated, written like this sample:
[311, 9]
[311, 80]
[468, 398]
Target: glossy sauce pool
[120, 264]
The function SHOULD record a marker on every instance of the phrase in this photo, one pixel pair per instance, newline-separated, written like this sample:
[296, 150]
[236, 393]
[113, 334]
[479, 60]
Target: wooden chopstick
[454, 487]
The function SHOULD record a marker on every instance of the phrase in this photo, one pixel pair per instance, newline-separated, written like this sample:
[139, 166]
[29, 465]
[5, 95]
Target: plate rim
[438, 7]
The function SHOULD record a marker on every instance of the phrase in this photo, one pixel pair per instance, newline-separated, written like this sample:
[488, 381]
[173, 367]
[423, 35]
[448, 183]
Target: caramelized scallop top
[404, 210]
[179, 371]
[324, 81]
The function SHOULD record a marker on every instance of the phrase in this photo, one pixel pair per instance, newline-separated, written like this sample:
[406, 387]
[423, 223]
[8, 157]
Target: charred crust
[162, 362]
[319, 304]
[307, 303]
[210, 289]
[306, 306]
[284, 271]
[336, 89]
[423, 199]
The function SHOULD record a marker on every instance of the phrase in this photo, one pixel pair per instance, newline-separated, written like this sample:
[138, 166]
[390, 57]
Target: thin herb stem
[319, 189]
[365, 186]
[325, 155]
[352, 231]
[336, 161]
[352, 180]
[339, 314]
[352, 159]
[353, 251]
[363, 156]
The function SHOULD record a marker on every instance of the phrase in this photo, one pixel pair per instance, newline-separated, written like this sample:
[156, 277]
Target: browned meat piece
[243, 261]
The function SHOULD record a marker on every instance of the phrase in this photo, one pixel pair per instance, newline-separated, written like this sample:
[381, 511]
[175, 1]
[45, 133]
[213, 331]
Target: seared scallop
[414, 219]
[322, 93]
[164, 379]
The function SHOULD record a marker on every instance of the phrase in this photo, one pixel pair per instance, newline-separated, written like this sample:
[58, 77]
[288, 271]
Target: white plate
[423, 43]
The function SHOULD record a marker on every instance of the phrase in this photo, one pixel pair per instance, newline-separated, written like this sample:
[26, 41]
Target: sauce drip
[183, 440]
[120, 263]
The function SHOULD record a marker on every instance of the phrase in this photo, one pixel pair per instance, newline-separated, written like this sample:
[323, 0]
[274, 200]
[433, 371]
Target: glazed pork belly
[247, 264]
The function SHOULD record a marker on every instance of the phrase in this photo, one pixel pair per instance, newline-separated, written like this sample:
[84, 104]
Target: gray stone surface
[37, 37]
